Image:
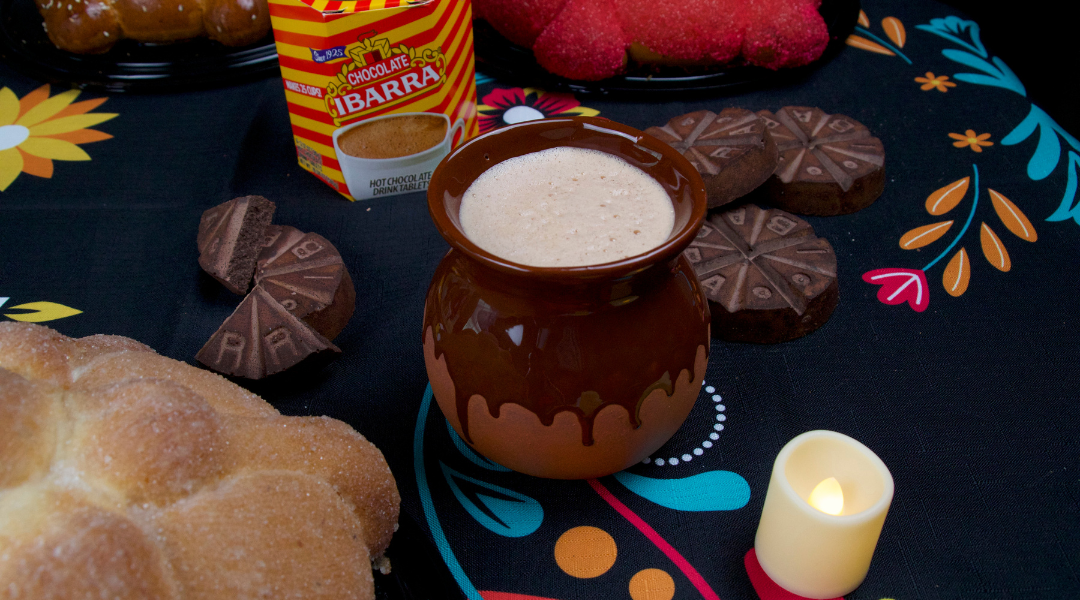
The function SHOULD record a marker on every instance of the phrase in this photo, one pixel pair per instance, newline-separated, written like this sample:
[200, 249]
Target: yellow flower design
[941, 82]
[976, 142]
[40, 128]
[41, 312]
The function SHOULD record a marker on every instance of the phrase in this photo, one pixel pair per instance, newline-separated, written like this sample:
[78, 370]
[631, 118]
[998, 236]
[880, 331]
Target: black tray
[497, 57]
[129, 66]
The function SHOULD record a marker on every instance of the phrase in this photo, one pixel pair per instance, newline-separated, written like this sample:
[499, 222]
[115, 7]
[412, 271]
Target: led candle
[828, 497]
[826, 503]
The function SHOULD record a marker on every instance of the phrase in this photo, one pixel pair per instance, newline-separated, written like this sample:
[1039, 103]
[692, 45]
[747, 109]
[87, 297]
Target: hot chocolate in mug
[393, 154]
[567, 372]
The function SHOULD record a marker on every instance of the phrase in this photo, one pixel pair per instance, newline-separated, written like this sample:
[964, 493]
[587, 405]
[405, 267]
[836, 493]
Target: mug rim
[676, 242]
[422, 155]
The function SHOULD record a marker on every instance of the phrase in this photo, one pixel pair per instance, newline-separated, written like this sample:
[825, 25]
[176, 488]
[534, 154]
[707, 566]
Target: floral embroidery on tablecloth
[940, 83]
[38, 129]
[502, 107]
[38, 312]
[993, 72]
[865, 39]
[970, 139]
[902, 285]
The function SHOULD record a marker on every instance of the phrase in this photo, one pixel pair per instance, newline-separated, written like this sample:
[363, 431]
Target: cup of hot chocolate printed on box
[565, 334]
[378, 91]
[393, 154]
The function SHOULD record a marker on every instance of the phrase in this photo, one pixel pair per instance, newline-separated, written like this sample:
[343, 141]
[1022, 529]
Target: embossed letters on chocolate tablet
[733, 150]
[261, 338]
[758, 259]
[818, 147]
[709, 140]
[300, 270]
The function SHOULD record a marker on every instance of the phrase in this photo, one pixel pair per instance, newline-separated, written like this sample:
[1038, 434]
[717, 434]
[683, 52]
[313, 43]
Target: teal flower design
[995, 73]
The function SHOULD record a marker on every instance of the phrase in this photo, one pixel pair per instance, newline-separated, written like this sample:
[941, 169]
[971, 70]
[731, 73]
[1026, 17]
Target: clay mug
[566, 372]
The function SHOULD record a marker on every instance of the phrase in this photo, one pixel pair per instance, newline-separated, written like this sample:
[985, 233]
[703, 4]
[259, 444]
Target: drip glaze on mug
[566, 372]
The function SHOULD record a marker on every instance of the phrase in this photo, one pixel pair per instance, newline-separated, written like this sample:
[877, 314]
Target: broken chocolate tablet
[767, 276]
[305, 273]
[261, 338]
[829, 164]
[276, 240]
[230, 239]
[732, 150]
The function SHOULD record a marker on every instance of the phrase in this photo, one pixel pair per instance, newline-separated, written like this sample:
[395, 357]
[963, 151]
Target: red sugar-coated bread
[683, 32]
[594, 39]
[583, 39]
[520, 22]
[126, 474]
[783, 33]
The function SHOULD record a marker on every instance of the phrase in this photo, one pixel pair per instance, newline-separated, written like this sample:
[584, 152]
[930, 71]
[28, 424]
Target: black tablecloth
[970, 398]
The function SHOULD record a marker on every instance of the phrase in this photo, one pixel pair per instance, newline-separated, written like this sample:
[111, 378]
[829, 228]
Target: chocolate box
[392, 82]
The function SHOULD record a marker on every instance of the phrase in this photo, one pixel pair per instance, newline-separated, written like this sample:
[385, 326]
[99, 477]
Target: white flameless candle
[828, 497]
[823, 513]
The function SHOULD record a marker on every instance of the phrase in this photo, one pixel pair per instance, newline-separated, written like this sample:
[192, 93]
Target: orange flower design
[969, 138]
[40, 128]
[941, 82]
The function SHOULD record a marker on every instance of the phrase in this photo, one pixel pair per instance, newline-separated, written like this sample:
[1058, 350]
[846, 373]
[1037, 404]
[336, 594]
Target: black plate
[417, 572]
[497, 57]
[129, 66]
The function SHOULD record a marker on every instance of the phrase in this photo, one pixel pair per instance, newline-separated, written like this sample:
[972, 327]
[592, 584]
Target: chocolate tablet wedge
[732, 150]
[829, 164]
[261, 338]
[277, 240]
[230, 239]
[767, 276]
[305, 274]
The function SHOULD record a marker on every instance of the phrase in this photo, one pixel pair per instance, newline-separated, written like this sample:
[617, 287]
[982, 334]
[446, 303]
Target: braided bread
[126, 474]
[591, 40]
[94, 26]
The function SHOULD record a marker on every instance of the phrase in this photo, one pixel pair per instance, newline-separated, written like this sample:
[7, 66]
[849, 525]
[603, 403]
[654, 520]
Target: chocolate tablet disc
[305, 273]
[829, 164]
[261, 338]
[230, 238]
[733, 150]
[277, 240]
[767, 277]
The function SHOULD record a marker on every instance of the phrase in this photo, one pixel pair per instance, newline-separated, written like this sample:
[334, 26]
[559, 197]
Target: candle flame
[828, 497]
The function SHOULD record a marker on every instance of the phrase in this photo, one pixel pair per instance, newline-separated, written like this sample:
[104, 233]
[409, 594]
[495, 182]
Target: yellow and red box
[346, 62]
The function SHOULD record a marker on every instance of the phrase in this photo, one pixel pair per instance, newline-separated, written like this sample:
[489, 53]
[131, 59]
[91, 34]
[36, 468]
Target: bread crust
[591, 40]
[236, 22]
[126, 474]
[95, 26]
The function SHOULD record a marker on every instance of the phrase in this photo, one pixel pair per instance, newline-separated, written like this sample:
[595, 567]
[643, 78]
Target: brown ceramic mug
[566, 372]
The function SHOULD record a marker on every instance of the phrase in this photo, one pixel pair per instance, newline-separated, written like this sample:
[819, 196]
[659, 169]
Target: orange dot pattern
[585, 552]
[652, 584]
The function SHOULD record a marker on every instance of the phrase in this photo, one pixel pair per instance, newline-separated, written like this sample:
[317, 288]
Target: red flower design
[508, 106]
[901, 285]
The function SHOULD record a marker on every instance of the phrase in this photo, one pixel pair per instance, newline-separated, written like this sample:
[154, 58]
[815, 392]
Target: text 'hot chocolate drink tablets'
[566, 207]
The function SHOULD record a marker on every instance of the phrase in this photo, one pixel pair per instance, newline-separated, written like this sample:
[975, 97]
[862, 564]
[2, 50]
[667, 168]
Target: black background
[972, 404]
[1038, 40]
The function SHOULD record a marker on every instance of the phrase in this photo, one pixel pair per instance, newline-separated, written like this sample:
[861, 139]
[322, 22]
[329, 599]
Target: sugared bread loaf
[92, 26]
[594, 39]
[125, 474]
